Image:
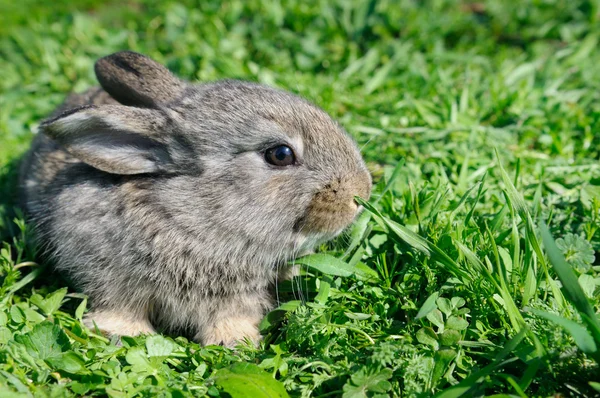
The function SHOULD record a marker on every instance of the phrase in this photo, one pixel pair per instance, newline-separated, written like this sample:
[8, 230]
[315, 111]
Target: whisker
[277, 288]
[298, 279]
[365, 144]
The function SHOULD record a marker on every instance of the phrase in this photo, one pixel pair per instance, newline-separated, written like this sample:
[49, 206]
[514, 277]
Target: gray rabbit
[173, 205]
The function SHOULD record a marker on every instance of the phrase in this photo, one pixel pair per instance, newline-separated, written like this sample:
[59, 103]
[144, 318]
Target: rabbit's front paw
[230, 331]
[118, 323]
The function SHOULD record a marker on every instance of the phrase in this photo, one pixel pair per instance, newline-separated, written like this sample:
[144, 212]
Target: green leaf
[436, 318]
[69, 361]
[444, 305]
[45, 340]
[428, 337]
[414, 240]
[357, 232]
[428, 306]
[362, 270]
[366, 380]
[582, 337]
[159, 346]
[578, 252]
[461, 389]
[450, 337]
[571, 287]
[588, 194]
[357, 316]
[457, 323]
[326, 264]
[54, 300]
[242, 380]
[30, 277]
[80, 309]
[5, 335]
[442, 360]
[458, 302]
[16, 383]
[16, 314]
[588, 283]
[390, 182]
[275, 316]
[51, 303]
[138, 359]
[33, 316]
[324, 288]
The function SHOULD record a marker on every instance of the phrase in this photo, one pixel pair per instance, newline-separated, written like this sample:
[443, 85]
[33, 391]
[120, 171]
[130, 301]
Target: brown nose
[363, 186]
[333, 207]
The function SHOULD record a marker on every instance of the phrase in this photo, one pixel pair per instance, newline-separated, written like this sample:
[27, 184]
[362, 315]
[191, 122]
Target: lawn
[475, 268]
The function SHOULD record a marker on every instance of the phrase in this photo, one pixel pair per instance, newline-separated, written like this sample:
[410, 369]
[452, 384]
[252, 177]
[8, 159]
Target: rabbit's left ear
[136, 80]
[115, 138]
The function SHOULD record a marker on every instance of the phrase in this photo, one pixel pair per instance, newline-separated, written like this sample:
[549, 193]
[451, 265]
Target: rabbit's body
[124, 253]
[168, 214]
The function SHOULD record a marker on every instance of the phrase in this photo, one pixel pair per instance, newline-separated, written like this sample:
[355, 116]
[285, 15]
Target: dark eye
[281, 155]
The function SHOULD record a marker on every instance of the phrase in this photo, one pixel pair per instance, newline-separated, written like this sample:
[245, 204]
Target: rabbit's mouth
[318, 227]
[326, 222]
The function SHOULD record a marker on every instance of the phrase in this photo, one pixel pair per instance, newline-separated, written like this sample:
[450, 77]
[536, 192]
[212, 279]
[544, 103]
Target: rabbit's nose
[362, 187]
[333, 207]
[342, 190]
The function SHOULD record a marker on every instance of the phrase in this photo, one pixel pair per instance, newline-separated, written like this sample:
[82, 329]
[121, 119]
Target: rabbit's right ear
[136, 80]
[116, 139]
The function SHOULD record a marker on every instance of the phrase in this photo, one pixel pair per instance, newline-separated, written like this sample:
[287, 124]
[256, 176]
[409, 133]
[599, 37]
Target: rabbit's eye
[281, 155]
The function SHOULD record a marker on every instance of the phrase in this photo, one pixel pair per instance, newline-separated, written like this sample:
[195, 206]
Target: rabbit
[173, 205]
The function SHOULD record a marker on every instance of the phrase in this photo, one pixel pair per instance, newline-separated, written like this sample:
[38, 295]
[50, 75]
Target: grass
[480, 123]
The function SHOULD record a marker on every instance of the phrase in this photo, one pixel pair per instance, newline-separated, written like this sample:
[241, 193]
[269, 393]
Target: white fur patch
[70, 124]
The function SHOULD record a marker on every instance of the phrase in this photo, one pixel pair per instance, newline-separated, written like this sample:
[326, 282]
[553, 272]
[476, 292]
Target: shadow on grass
[9, 184]
[13, 235]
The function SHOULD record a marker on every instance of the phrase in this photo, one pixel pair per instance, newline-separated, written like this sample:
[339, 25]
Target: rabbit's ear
[136, 80]
[114, 138]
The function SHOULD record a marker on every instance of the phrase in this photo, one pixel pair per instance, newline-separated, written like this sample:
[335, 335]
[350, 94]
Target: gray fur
[134, 79]
[165, 212]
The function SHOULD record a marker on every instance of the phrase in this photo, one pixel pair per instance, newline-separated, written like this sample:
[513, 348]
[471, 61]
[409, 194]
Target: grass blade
[582, 338]
[392, 179]
[30, 277]
[462, 388]
[326, 264]
[416, 241]
[571, 288]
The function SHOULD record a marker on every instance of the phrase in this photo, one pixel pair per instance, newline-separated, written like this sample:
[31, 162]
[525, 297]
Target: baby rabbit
[173, 205]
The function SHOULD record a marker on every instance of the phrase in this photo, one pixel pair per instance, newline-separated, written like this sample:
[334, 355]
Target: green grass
[480, 123]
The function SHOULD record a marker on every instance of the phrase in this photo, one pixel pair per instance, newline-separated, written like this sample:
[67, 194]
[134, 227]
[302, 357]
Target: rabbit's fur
[153, 197]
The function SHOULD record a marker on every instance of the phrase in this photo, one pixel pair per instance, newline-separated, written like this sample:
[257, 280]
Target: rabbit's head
[228, 160]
